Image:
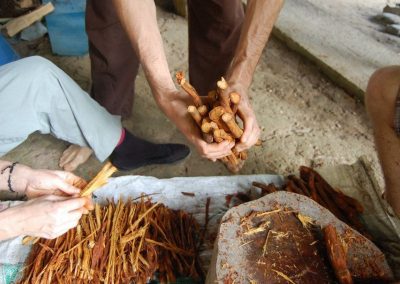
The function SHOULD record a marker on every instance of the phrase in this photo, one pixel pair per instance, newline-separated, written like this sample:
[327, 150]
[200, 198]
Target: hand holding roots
[216, 118]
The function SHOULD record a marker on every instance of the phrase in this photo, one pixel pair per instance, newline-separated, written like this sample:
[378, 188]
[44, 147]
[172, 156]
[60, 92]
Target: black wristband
[11, 167]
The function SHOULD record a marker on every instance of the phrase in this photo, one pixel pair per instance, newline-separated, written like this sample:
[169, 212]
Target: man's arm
[259, 21]
[33, 183]
[48, 217]
[138, 17]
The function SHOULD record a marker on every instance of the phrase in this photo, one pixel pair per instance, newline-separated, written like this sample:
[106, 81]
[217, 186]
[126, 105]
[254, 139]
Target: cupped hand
[251, 131]
[48, 216]
[213, 151]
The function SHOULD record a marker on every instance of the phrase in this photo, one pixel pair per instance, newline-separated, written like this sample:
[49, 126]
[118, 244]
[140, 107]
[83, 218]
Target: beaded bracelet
[11, 167]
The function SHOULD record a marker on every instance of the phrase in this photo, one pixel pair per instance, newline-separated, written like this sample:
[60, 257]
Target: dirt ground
[305, 118]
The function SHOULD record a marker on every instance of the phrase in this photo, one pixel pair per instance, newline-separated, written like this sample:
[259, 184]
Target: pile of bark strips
[119, 243]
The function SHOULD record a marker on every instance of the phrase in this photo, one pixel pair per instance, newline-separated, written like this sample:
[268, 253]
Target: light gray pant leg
[35, 95]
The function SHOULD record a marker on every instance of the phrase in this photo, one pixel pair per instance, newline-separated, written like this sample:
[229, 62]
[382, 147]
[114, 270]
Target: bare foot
[74, 156]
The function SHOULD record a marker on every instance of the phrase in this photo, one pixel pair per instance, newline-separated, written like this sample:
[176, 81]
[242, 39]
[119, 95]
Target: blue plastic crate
[7, 53]
[66, 27]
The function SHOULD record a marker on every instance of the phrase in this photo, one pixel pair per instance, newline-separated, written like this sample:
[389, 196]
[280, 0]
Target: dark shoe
[162, 154]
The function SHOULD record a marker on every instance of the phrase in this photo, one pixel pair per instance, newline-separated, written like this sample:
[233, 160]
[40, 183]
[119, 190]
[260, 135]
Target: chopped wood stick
[212, 95]
[300, 183]
[288, 189]
[99, 180]
[233, 163]
[342, 199]
[220, 135]
[337, 255]
[344, 211]
[207, 128]
[180, 77]
[215, 116]
[351, 202]
[350, 213]
[243, 155]
[354, 203]
[236, 131]
[329, 203]
[266, 189]
[208, 137]
[235, 100]
[192, 110]
[232, 159]
[29, 240]
[311, 186]
[294, 187]
[216, 113]
[80, 183]
[188, 193]
[203, 110]
[223, 96]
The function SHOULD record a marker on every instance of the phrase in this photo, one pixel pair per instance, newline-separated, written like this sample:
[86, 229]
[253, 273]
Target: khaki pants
[214, 30]
[35, 95]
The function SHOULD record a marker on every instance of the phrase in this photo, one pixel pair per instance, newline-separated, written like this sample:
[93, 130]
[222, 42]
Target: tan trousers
[214, 30]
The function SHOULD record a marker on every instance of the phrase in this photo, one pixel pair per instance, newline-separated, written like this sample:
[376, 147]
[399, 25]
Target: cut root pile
[119, 243]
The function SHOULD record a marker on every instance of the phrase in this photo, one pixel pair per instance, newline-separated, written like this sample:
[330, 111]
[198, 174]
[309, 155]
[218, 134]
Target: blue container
[66, 26]
[7, 53]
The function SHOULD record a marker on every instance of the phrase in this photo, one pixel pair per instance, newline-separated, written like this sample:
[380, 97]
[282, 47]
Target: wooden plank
[18, 24]
[339, 39]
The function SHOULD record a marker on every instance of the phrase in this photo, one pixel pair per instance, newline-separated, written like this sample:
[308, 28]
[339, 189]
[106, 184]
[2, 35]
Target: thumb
[66, 187]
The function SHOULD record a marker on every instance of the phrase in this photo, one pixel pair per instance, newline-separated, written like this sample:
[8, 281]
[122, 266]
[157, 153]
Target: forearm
[138, 17]
[10, 220]
[259, 21]
[17, 179]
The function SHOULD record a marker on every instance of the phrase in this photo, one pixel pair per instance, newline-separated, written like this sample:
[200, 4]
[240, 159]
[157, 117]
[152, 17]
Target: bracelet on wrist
[11, 169]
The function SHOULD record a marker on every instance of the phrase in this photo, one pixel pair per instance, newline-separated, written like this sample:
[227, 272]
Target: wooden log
[223, 97]
[301, 184]
[236, 131]
[195, 115]
[190, 90]
[18, 24]
[235, 100]
[203, 110]
[266, 189]
[294, 187]
[337, 255]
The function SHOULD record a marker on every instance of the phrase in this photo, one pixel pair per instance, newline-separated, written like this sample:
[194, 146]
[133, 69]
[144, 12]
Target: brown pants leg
[113, 61]
[214, 31]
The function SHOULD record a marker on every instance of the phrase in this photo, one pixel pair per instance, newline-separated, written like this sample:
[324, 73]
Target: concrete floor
[306, 119]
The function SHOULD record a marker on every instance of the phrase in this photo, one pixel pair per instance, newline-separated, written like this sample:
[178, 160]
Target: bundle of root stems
[313, 185]
[119, 243]
[216, 115]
